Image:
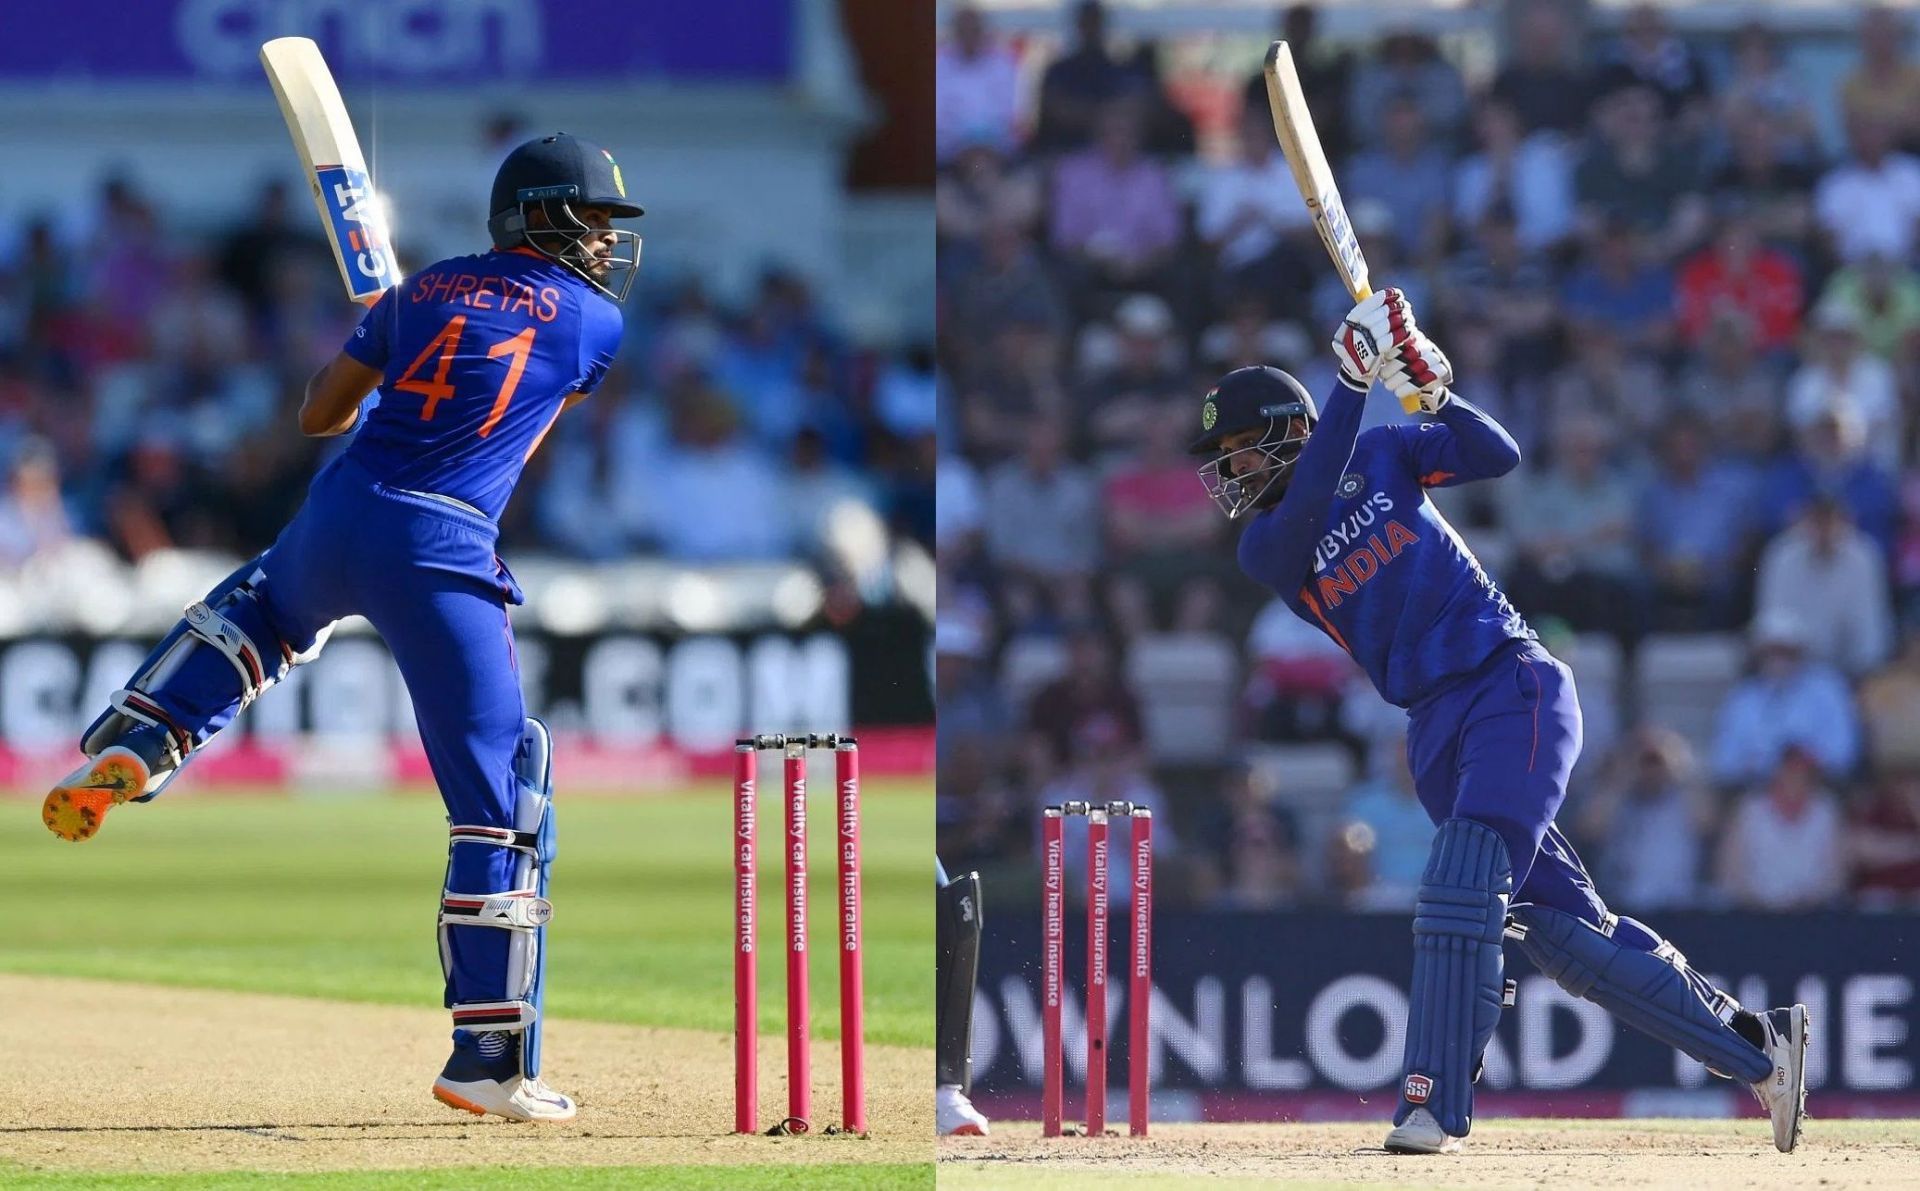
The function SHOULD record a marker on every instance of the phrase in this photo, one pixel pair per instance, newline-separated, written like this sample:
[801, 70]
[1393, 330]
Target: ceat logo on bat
[1419, 1087]
[359, 234]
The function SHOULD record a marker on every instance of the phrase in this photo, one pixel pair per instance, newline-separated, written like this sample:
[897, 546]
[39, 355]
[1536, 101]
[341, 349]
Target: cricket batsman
[1338, 523]
[473, 359]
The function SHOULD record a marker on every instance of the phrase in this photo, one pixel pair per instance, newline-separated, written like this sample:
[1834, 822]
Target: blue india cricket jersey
[1356, 548]
[479, 354]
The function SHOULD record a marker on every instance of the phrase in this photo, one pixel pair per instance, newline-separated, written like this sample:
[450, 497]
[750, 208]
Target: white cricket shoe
[955, 1115]
[516, 1099]
[1421, 1134]
[1784, 1093]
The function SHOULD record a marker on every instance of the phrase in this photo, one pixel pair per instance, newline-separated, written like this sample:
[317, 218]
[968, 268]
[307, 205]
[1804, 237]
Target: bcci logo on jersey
[359, 233]
[1350, 485]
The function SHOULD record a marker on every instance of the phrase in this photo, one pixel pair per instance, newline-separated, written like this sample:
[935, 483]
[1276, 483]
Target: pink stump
[853, 1063]
[1140, 974]
[1097, 972]
[746, 993]
[799, 1060]
[1052, 965]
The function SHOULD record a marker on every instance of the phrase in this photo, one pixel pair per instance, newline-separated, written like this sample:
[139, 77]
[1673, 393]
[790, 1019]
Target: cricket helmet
[1254, 398]
[558, 175]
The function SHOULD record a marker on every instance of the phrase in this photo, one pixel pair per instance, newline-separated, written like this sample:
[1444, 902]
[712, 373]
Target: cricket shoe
[955, 1115]
[479, 1084]
[1784, 1093]
[79, 804]
[1421, 1134]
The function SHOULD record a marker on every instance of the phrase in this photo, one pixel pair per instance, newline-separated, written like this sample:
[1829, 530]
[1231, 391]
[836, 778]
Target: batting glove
[1427, 368]
[1368, 336]
[1393, 375]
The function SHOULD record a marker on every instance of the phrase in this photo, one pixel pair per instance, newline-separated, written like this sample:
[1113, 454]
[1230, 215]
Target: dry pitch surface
[123, 1077]
[1698, 1155]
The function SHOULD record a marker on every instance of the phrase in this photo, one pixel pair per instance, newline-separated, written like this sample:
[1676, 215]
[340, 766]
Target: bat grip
[1409, 404]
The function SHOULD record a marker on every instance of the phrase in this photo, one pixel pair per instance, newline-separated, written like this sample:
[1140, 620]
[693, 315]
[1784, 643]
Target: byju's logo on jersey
[1350, 485]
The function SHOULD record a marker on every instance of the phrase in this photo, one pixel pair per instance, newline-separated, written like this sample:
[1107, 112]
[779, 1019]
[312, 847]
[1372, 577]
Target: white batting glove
[1369, 335]
[1393, 376]
[1419, 373]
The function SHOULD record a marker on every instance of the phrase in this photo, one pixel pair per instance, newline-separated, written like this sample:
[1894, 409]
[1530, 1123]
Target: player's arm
[332, 404]
[1462, 443]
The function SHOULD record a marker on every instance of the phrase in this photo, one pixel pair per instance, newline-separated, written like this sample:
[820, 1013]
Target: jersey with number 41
[478, 355]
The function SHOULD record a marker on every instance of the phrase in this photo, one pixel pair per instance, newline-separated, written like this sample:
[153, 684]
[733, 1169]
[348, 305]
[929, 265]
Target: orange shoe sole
[452, 1101]
[75, 812]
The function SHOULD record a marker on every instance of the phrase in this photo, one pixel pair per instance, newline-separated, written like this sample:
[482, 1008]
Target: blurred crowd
[149, 378]
[1698, 314]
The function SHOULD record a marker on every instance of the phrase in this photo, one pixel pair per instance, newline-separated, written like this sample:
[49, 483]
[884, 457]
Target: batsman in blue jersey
[1340, 526]
[473, 359]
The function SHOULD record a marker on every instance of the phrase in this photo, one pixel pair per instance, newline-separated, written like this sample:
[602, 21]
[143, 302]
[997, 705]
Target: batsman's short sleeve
[600, 330]
[371, 340]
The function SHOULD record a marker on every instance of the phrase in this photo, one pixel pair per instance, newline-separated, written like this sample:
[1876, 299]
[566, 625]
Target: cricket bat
[330, 155]
[1293, 124]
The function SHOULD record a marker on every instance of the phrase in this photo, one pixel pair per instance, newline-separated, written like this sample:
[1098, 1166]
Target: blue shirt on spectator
[1706, 520]
[1865, 489]
[1625, 304]
[1810, 707]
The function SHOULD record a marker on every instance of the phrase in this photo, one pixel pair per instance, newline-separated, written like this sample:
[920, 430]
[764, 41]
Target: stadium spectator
[1763, 89]
[1544, 82]
[1885, 86]
[1739, 276]
[1649, 54]
[1881, 299]
[1090, 697]
[977, 98]
[1572, 528]
[711, 467]
[1078, 87]
[1388, 806]
[1405, 63]
[1883, 842]
[1115, 218]
[1789, 701]
[1157, 518]
[1890, 711]
[1784, 847]
[1624, 288]
[1131, 367]
[33, 515]
[1695, 522]
[1325, 75]
[1831, 454]
[1648, 818]
[1040, 509]
[1250, 214]
[982, 190]
[1840, 375]
[1634, 173]
[1530, 176]
[1867, 204]
[1831, 579]
[1757, 176]
[1407, 173]
[1257, 840]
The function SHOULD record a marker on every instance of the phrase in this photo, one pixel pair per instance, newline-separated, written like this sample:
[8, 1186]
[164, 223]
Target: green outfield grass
[856, 1177]
[335, 897]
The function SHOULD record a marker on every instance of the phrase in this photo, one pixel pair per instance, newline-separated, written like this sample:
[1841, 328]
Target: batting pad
[1654, 991]
[495, 939]
[1458, 924]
